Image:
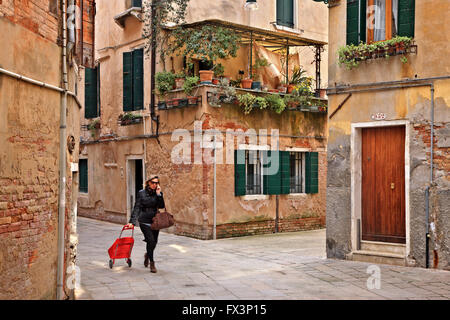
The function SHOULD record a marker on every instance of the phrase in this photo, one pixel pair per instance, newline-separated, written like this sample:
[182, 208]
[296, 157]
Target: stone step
[395, 248]
[378, 257]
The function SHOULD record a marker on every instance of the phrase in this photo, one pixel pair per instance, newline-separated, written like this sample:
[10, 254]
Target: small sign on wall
[378, 116]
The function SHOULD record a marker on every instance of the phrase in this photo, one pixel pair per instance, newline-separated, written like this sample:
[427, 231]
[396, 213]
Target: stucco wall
[412, 104]
[29, 167]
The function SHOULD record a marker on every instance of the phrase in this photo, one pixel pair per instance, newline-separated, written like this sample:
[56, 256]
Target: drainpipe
[62, 163]
[215, 184]
[427, 190]
[153, 115]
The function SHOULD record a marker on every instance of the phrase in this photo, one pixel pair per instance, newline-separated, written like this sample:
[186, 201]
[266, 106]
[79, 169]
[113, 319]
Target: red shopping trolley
[121, 248]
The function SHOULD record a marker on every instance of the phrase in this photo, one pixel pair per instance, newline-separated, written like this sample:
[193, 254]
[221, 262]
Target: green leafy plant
[207, 44]
[164, 82]
[261, 102]
[129, 116]
[247, 101]
[219, 70]
[180, 75]
[276, 102]
[93, 127]
[189, 84]
[351, 55]
[256, 68]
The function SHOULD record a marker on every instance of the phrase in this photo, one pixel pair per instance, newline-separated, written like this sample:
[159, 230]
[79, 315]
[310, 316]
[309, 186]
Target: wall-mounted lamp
[251, 5]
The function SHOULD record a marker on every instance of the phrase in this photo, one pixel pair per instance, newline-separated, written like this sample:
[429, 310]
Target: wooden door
[383, 184]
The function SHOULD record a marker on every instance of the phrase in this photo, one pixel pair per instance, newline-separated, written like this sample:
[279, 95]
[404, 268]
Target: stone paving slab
[273, 266]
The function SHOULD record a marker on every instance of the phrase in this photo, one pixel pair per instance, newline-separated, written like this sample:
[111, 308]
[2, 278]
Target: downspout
[427, 190]
[62, 163]
[153, 115]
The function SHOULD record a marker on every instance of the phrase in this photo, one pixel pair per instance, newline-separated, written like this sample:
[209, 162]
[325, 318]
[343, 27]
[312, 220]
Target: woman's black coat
[146, 206]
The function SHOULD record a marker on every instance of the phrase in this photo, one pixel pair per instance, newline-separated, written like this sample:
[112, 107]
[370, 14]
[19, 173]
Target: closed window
[285, 13]
[83, 175]
[92, 92]
[133, 80]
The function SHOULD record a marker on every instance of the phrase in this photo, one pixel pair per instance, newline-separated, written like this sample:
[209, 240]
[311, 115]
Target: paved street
[276, 266]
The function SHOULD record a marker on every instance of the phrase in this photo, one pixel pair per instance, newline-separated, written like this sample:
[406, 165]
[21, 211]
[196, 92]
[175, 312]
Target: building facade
[232, 199]
[388, 146]
[33, 265]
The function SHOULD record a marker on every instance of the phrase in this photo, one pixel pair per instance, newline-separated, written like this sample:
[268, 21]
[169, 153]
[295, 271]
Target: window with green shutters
[92, 93]
[297, 172]
[376, 20]
[133, 80]
[285, 13]
[83, 175]
[136, 3]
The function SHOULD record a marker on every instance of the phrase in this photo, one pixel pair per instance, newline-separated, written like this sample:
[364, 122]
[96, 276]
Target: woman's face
[153, 183]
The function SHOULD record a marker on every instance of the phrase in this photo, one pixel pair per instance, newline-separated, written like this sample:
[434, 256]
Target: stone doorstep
[377, 257]
[395, 248]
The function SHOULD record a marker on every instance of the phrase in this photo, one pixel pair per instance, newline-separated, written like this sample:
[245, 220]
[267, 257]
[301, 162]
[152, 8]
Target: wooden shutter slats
[127, 81]
[239, 172]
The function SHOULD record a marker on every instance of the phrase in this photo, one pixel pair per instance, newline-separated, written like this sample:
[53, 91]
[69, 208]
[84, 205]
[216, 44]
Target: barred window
[297, 172]
[253, 171]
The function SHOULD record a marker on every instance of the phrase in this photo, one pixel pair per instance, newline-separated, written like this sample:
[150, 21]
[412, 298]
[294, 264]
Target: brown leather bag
[162, 220]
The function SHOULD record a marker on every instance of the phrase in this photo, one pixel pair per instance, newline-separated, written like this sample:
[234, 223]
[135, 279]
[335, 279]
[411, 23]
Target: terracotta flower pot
[215, 81]
[246, 83]
[206, 76]
[273, 90]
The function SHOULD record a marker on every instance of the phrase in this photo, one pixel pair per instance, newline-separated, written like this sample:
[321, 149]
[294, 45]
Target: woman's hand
[158, 190]
[130, 225]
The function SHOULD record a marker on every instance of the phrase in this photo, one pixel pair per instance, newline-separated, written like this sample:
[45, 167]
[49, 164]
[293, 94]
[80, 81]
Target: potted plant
[179, 80]
[246, 83]
[129, 118]
[164, 82]
[209, 43]
[93, 127]
[189, 84]
[218, 73]
[256, 76]
[298, 79]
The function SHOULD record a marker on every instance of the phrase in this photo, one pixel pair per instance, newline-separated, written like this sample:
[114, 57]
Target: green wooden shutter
[285, 13]
[285, 166]
[363, 19]
[280, 12]
[406, 17]
[127, 81]
[312, 172]
[352, 21]
[239, 172]
[98, 91]
[271, 183]
[289, 13]
[137, 3]
[90, 93]
[83, 175]
[138, 79]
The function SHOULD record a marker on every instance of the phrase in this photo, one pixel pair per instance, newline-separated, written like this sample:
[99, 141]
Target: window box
[162, 105]
[130, 119]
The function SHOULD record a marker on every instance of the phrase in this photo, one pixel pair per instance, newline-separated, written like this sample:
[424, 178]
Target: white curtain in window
[380, 20]
[394, 17]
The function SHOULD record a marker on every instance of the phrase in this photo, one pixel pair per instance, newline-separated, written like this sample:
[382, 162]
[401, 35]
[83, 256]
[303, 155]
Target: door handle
[392, 185]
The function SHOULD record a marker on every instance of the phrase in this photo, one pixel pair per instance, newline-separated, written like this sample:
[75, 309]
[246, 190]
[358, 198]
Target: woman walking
[147, 204]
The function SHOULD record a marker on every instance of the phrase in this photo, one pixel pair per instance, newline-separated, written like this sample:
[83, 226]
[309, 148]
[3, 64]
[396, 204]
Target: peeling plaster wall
[412, 104]
[29, 154]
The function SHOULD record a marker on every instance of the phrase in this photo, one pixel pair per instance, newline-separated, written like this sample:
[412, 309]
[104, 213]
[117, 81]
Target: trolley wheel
[129, 262]
[111, 264]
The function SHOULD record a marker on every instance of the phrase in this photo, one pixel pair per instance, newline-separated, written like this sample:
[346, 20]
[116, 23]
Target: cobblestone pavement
[275, 266]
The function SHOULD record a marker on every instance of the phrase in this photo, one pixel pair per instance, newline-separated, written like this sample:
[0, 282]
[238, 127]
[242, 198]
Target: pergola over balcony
[272, 40]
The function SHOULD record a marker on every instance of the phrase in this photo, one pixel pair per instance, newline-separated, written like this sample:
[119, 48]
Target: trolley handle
[126, 227]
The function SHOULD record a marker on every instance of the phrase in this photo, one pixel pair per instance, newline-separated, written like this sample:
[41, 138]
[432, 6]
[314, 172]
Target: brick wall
[34, 15]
